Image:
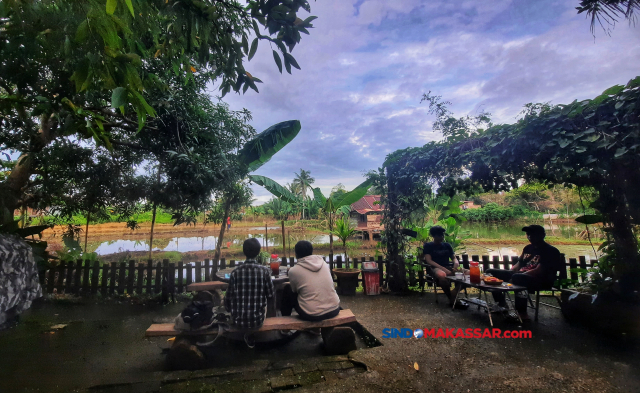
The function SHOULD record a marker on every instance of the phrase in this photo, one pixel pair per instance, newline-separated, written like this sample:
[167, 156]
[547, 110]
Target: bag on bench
[198, 315]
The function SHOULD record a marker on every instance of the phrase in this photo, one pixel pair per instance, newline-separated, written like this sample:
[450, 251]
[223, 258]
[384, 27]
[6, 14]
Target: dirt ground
[103, 344]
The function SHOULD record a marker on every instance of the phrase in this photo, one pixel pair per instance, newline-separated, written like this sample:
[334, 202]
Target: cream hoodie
[311, 279]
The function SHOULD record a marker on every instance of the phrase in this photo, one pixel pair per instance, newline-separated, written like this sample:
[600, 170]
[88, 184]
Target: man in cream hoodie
[311, 292]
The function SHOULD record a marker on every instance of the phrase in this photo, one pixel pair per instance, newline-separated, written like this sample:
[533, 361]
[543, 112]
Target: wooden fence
[163, 277]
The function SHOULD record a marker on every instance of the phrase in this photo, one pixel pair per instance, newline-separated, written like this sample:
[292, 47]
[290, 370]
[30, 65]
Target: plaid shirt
[246, 298]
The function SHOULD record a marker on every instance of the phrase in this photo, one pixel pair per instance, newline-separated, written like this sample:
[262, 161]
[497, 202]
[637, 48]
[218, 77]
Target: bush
[495, 212]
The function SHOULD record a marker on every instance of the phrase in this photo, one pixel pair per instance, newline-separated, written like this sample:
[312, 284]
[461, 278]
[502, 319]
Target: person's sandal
[249, 340]
[461, 305]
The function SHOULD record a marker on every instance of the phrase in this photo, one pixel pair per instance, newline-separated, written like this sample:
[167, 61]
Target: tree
[82, 70]
[608, 11]
[593, 143]
[301, 183]
[344, 230]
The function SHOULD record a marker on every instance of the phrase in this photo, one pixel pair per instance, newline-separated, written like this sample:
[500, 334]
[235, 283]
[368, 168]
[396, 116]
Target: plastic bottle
[474, 272]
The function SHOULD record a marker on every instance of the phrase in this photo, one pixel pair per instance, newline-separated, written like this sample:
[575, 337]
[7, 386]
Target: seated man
[536, 269]
[442, 261]
[310, 291]
[249, 290]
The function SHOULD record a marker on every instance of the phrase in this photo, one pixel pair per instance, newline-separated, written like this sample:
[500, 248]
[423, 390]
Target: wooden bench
[275, 323]
[206, 286]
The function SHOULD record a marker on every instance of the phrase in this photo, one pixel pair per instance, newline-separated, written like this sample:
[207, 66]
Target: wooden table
[278, 284]
[484, 288]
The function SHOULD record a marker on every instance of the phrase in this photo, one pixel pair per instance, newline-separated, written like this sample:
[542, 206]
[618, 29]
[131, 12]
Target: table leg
[486, 300]
[455, 300]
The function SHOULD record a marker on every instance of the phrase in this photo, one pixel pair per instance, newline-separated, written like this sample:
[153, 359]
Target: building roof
[366, 204]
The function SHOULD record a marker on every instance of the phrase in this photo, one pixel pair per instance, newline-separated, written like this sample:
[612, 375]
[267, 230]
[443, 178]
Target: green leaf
[111, 6]
[130, 5]
[590, 219]
[245, 44]
[276, 57]
[273, 187]
[352, 196]
[287, 64]
[254, 47]
[292, 60]
[260, 149]
[118, 97]
[620, 151]
[319, 197]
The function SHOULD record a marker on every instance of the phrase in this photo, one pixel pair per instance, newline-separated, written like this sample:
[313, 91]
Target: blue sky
[367, 63]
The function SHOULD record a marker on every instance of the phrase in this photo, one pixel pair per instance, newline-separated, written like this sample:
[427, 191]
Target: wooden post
[95, 274]
[207, 276]
[292, 261]
[86, 285]
[266, 236]
[68, 285]
[190, 273]
[198, 271]
[380, 270]
[232, 263]
[573, 264]
[465, 261]
[563, 270]
[105, 278]
[284, 248]
[339, 261]
[78, 276]
[171, 278]
[140, 278]
[165, 281]
[131, 276]
[112, 279]
[181, 276]
[149, 275]
[223, 263]
[496, 262]
[506, 261]
[121, 278]
[158, 286]
[485, 263]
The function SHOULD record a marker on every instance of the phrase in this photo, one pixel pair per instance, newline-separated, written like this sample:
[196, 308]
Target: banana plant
[344, 230]
[340, 203]
[256, 153]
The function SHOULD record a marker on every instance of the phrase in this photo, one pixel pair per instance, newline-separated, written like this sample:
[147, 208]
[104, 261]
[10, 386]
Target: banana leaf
[260, 149]
[273, 187]
[317, 194]
[352, 196]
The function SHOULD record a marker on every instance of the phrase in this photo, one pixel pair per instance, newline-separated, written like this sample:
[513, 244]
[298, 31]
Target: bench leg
[185, 355]
[338, 340]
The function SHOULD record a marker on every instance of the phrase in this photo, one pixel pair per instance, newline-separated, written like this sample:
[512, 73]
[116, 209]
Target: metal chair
[560, 273]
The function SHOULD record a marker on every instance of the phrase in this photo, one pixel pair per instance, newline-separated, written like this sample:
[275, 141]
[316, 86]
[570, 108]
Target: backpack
[198, 315]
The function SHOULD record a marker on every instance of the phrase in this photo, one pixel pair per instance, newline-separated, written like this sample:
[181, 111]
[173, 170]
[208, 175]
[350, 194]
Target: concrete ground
[102, 347]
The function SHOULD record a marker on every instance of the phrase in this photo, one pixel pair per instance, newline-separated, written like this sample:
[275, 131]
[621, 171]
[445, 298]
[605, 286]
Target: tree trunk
[283, 241]
[396, 280]
[628, 267]
[227, 209]
[153, 223]
[86, 231]
[12, 189]
[330, 237]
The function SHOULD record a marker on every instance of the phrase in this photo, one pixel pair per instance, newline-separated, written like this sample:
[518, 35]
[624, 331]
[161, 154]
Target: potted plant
[347, 278]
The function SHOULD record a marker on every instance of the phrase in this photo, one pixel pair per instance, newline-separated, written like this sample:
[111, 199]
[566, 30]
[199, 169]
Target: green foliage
[274, 188]
[494, 212]
[343, 230]
[265, 145]
[528, 194]
[593, 143]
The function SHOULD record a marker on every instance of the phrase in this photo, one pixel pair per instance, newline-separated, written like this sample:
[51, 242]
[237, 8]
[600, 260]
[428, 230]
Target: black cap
[534, 229]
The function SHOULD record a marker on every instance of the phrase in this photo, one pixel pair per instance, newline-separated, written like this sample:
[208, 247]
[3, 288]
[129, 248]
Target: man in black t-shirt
[442, 261]
[536, 269]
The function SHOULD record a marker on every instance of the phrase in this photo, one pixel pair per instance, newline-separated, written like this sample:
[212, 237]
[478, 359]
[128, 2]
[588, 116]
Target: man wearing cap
[536, 269]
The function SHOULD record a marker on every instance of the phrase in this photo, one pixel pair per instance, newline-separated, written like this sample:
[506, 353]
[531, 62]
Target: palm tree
[301, 182]
[343, 231]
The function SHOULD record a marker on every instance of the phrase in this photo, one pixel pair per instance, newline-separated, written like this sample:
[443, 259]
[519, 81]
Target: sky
[367, 63]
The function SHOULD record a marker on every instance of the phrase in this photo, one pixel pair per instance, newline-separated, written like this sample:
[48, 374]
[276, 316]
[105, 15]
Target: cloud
[366, 65]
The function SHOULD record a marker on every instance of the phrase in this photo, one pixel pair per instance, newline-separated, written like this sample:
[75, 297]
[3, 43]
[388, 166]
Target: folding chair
[560, 273]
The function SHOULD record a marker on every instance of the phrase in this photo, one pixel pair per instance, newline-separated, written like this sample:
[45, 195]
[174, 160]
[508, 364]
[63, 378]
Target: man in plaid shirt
[249, 290]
